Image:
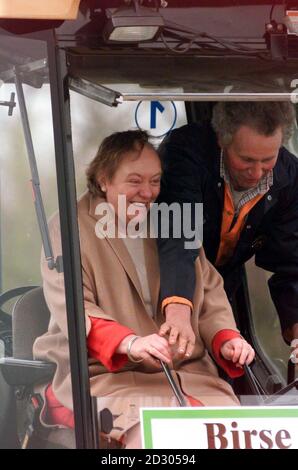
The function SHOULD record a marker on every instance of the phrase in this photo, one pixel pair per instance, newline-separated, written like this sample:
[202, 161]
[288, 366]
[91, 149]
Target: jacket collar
[280, 173]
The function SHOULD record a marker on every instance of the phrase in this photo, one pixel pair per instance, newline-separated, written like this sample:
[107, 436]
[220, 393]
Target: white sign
[156, 117]
[220, 428]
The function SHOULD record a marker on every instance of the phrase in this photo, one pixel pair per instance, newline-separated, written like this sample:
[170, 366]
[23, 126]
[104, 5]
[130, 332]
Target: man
[248, 184]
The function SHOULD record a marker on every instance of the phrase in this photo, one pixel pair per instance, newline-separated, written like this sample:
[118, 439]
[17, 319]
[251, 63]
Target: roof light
[135, 24]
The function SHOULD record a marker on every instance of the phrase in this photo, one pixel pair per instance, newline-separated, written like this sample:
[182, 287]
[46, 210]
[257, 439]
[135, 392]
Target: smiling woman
[137, 178]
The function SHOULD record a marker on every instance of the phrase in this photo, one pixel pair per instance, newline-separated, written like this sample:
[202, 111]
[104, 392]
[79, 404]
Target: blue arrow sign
[158, 118]
[155, 106]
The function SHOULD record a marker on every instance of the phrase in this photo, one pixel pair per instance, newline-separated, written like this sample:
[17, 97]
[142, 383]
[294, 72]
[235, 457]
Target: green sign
[220, 428]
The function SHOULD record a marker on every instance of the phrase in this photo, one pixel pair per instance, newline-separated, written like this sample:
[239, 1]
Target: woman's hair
[111, 153]
[264, 117]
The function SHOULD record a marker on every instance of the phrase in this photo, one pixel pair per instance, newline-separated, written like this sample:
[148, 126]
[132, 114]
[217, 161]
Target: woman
[123, 315]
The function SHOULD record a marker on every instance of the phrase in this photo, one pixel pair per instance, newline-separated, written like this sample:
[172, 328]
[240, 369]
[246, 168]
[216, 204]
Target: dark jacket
[191, 161]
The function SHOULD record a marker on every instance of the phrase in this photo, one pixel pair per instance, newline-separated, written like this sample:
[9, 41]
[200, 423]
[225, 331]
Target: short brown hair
[110, 154]
[264, 117]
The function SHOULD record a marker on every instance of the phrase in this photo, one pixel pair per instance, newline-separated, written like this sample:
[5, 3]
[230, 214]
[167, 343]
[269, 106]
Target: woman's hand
[150, 349]
[178, 327]
[151, 346]
[238, 351]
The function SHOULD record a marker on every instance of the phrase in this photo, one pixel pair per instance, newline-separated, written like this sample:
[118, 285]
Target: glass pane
[18, 219]
[263, 309]
[20, 253]
[264, 314]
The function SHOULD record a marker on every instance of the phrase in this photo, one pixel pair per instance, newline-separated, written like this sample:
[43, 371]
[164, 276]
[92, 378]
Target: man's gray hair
[263, 117]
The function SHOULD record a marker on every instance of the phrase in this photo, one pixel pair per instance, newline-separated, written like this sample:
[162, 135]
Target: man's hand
[238, 351]
[178, 327]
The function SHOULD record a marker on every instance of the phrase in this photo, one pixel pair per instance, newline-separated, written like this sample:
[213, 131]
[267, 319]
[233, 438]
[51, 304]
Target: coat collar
[120, 250]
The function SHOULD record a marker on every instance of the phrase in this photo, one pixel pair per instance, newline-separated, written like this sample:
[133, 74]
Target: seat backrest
[30, 319]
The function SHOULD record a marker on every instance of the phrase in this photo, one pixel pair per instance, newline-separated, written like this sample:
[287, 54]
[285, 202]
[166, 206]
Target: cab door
[37, 179]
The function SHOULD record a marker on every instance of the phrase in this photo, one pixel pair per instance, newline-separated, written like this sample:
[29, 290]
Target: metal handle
[176, 390]
[253, 382]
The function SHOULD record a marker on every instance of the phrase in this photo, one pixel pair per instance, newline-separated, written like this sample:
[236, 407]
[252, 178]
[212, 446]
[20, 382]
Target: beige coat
[112, 291]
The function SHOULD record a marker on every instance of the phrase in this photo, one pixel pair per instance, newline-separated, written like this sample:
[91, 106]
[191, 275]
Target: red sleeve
[103, 339]
[228, 366]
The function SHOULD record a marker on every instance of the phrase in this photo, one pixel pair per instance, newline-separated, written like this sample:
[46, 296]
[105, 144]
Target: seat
[7, 300]
[8, 433]
[30, 309]
[30, 319]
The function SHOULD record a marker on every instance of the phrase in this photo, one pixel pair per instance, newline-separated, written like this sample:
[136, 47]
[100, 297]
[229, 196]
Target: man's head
[251, 135]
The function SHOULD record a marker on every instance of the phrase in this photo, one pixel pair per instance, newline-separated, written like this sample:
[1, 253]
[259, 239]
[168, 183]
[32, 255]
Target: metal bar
[84, 430]
[113, 98]
[95, 92]
[38, 203]
[259, 391]
[209, 96]
[10, 104]
[27, 67]
[176, 390]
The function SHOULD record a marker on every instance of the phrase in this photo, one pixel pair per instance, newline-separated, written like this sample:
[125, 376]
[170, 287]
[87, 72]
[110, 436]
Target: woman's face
[137, 179]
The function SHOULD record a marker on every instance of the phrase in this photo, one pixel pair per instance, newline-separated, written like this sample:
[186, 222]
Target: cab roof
[237, 56]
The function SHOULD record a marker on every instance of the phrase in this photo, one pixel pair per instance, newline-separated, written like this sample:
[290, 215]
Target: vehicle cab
[73, 73]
